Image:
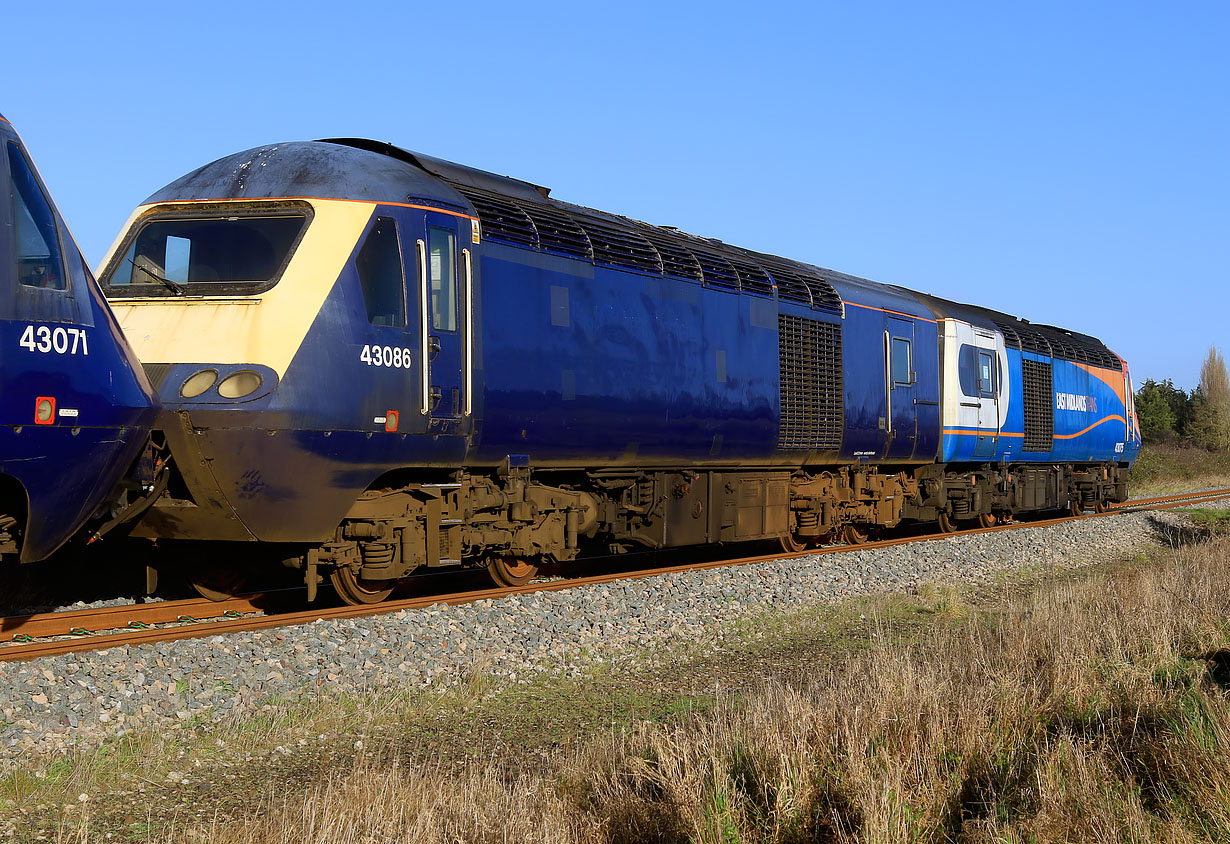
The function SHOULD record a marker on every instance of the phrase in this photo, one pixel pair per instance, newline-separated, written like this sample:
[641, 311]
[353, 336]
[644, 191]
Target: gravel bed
[79, 699]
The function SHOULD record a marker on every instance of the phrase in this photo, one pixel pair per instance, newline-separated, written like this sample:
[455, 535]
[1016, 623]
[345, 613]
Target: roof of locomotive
[309, 169]
[1027, 336]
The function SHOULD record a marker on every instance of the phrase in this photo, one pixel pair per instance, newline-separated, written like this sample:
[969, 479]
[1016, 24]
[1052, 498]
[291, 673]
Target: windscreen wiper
[174, 287]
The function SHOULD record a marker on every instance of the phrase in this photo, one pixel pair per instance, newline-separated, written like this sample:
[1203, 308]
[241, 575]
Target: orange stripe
[311, 198]
[887, 311]
[2, 120]
[1090, 428]
[989, 431]
[985, 432]
[1109, 377]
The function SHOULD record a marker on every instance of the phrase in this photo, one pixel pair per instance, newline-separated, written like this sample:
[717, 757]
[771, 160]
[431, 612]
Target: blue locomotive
[389, 363]
[76, 409]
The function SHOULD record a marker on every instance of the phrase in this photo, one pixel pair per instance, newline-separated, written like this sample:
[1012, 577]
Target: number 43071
[61, 340]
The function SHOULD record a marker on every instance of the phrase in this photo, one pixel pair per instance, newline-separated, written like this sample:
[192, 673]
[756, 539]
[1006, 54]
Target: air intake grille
[501, 219]
[718, 271]
[809, 354]
[676, 260]
[557, 231]
[1039, 409]
[619, 246]
[752, 278]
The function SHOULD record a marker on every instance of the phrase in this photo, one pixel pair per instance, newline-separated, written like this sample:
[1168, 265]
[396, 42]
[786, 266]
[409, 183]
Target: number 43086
[61, 340]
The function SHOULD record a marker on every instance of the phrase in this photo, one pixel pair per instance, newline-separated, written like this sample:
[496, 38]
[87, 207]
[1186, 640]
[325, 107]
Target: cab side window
[382, 276]
[442, 247]
[902, 371]
[39, 260]
[986, 375]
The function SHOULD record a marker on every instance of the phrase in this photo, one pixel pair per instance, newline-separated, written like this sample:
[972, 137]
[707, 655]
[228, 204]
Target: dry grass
[1089, 710]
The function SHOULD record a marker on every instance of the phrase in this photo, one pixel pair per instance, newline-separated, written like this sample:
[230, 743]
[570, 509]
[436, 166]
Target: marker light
[44, 410]
[390, 421]
[198, 383]
[245, 382]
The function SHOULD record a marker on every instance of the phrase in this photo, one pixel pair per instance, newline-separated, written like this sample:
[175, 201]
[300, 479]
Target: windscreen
[222, 254]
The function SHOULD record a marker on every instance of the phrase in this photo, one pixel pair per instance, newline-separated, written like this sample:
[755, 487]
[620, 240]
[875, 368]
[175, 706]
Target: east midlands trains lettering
[1069, 401]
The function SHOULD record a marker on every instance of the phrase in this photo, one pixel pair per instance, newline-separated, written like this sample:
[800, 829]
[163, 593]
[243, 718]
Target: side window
[986, 374]
[39, 262]
[442, 246]
[381, 275]
[901, 360]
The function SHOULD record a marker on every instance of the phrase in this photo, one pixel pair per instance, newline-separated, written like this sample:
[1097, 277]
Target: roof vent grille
[501, 219]
[620, 246]
[557, 231]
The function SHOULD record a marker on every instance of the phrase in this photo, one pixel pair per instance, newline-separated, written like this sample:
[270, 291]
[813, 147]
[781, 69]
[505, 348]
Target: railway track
[50, 634]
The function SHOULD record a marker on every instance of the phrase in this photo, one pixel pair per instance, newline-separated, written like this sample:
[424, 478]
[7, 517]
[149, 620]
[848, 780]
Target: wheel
[791, 544]
[1075, 508]
[853, 535]
[1101, 506]
[356, 591]
[986, 519]
[946, 523]
[217, 584]
[511, 571]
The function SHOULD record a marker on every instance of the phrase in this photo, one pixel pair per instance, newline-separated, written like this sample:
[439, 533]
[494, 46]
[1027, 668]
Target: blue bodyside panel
[588, 366]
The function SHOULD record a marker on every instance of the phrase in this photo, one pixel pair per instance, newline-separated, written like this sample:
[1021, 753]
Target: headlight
[245, 382]
[198, 383]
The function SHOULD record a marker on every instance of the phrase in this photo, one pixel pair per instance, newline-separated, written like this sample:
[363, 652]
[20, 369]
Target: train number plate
[392, 356]
[58, 340]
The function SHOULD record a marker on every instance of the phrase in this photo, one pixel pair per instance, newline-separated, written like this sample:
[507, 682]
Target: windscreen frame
[206, 211]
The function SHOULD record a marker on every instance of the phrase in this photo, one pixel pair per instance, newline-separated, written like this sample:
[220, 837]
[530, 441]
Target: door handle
[467, 347]
[424, 356]
[433, 347]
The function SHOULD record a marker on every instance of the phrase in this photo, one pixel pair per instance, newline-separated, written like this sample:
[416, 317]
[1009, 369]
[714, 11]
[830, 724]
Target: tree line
[1200, 418]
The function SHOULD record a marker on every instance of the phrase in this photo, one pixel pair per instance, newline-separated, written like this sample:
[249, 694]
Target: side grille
[1039, 408]
[809, 355]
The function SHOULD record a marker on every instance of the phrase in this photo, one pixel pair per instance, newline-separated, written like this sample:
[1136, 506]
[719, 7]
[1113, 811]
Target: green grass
[1215, 520]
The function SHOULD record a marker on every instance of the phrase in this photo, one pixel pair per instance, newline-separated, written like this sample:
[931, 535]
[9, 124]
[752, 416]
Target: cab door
[987, 386]
[445, 303]
[901, 380]
[389, 337]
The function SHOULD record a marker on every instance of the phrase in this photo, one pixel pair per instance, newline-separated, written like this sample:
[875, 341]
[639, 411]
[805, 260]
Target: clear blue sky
[1065, 162]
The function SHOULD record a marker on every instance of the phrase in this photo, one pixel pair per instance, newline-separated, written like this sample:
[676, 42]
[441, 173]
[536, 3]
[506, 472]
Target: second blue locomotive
[392, 362]
[75, 409]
